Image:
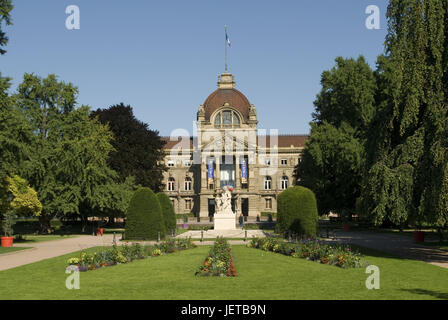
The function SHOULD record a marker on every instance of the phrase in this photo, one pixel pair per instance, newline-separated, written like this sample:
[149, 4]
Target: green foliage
[287, 209]
[16, 198]
[407, 156]
[219, 261]
[331, 166]
[144, 218]
[297, 211]
[338, 255]
[138, 151]
[15, 134]
[5, 16]
[169, 215]
[24, 200]
[347, 94]
[332, 161]
[68, 165]
[114, 198]
[126, 253]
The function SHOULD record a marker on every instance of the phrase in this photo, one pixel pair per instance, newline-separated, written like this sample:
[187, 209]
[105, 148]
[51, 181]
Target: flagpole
[225, 44]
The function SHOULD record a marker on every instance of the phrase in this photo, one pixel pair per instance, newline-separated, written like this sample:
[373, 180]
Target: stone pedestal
[225, 221]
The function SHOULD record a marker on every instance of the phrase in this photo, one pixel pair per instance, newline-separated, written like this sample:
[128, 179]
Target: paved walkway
[211, 234]
[399, 245]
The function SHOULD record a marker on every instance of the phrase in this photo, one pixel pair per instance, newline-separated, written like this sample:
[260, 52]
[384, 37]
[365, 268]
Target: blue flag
[211, 172]
[228, 40]
[243, 171]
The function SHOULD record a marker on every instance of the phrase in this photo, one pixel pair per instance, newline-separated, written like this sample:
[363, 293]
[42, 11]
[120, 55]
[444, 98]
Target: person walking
[240, 220]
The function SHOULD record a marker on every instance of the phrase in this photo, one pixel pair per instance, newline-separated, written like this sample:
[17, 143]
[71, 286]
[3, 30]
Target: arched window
[171, 182]
[227, 118]
[267, 183]
[187, 184]
[236, 119]
[218, 119]
[284, 182]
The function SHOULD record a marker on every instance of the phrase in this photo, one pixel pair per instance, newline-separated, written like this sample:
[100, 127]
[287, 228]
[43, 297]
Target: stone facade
[226, 143]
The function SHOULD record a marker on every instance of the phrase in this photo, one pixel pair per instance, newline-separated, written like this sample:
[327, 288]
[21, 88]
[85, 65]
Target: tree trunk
[83, 223]
[45, 224]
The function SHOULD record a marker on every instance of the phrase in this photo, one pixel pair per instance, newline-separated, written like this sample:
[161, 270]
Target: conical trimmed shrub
[144, 219]
[297, 211]
[169, 216]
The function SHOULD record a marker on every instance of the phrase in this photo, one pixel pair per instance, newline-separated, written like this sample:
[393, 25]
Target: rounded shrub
[144, 219]
[169, 216]
[297, 211]
[287, 209]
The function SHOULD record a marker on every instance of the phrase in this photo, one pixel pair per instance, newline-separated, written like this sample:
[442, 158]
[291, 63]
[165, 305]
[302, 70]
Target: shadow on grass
[435, 294]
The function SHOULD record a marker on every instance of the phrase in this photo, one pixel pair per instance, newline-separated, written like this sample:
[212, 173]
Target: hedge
[144, 218]
[297, 211]
[169, 216]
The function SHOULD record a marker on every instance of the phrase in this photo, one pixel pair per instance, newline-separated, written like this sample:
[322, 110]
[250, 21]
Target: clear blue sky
[163, 57]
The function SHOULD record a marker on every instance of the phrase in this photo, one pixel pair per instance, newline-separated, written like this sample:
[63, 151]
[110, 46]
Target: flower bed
[334, 254]
[219, 261]
[127, 253]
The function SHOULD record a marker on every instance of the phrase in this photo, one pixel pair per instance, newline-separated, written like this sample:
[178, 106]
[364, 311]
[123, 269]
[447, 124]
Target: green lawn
[12, 249]
[261, 275]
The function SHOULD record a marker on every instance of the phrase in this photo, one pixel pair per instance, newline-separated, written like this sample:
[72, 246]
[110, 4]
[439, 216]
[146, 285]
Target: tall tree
[333, 157]
[331, 166]
[5, 16]
[70, 150]
[15, 134]
[114, 199]
[138, 150]
[407, 176]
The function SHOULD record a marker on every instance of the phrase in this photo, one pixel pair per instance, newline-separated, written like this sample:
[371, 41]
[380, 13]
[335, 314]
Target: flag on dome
[228, 39]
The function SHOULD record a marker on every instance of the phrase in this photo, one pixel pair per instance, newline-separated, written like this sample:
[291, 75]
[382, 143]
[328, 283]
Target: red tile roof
[232, 96]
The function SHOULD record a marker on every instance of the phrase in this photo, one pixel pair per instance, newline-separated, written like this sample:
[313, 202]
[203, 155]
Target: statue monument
[224, 217]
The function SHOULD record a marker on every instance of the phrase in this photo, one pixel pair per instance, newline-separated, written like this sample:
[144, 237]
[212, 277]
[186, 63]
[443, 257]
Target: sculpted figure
[224, 203]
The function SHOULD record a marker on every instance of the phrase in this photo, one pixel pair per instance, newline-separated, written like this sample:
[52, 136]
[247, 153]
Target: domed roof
[231, 96]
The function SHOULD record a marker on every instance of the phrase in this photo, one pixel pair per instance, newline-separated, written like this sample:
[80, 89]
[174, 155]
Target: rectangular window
[284, 162]
[187, 184]
[188, 204]
[187, 163]
[268, 203]
[170, 163]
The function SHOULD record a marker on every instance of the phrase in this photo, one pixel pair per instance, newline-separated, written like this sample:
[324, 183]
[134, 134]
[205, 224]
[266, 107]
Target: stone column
[204, 176]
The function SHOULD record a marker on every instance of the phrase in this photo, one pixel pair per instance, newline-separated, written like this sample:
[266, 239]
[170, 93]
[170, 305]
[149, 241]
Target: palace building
[228, 149]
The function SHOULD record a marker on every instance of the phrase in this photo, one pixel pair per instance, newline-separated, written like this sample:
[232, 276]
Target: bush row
[339, 255]
[127, 253]
[219, 261]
